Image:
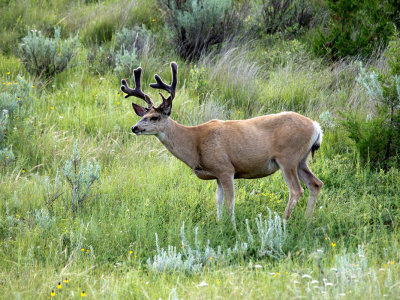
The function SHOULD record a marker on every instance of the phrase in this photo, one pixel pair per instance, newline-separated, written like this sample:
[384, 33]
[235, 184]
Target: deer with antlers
[225, 150]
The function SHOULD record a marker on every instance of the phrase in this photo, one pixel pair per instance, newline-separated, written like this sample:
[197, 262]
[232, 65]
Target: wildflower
[23, 170]
[83, 249]
[298, 252]
[201, 284]
[273, 276]
[53, 293]
[118, 103]
[277, 273]
[16, 82]
[326, 238]
[218, 281]
[51, 107]
[153, 20]
[8, 73]
[392, 262]
[66, 280]
[333, 245]
[211, 258]
[119, 94]
[87, 250]
[59, 285]
[18, 98]
[83, 294]
[33, 86]
[130, 252]
[6, 157]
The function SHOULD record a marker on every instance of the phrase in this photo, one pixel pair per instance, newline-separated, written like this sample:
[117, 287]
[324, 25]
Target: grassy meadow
[348, 249]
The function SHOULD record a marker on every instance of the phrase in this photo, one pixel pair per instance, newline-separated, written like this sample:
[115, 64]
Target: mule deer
[225, 150]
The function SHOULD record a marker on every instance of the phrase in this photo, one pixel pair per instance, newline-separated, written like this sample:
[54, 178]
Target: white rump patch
[316, 134]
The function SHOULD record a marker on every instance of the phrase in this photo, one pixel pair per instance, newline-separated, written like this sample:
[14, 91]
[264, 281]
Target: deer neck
[181, 141]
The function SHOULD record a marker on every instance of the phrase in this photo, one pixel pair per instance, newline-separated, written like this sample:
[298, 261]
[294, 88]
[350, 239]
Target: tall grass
[349, 248]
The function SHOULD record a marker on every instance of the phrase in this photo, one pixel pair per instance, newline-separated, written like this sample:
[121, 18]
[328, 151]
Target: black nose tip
[134, 129]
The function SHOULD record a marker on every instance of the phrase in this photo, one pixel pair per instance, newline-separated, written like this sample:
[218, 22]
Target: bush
[377, 138]
[356, 27]
[199, 24]
[282, 15]
[44, 57]
[124, 53]
[13, 94]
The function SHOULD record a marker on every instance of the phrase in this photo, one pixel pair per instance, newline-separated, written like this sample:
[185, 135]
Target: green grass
[144, 190]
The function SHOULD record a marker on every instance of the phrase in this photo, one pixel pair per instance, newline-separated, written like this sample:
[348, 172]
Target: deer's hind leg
[292, 180]
[312, 182]
[220, 199]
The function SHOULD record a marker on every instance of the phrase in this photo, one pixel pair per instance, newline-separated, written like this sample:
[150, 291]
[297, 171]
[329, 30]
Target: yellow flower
[6, 157]
[326, 238]
[333, 245]
[87, 250]
[211, 258]
[83, 249]
[392, 262]
[59, 285]
[218, 281]
[83, 294]
[23, 171]
[119, 94]
[277, 273]
[18, 98]
[8, 73]
[33, 86]
[273, 276]
[298, 252]
[53, 293]
[16, 82]
[118, 103]
[66, 280]
[130, 252]
[153, 20]
[51, 107]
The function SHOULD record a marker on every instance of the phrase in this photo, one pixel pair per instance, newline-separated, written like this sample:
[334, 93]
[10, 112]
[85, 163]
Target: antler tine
[136, 92]
[169, 88]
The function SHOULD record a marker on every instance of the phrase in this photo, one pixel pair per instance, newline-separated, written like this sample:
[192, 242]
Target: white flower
[201, 284]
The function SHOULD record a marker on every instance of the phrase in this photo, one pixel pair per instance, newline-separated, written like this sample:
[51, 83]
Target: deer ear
[139, 110]
[166, 106]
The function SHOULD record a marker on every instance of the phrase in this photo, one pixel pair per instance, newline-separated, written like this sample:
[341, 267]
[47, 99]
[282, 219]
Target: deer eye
[154, 118]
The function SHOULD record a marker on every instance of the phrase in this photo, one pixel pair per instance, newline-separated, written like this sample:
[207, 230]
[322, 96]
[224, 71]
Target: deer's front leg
[228, 186]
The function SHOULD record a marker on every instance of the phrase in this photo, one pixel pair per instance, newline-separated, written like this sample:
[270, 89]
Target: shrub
[14, 93]
[43, 56]
[377, 137]
[270, 238]
[80, 178]
[282, 15]
[356, 27]
[124, 53]
[199, 24]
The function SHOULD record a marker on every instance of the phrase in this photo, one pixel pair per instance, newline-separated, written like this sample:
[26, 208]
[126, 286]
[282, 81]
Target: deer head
[153, 118]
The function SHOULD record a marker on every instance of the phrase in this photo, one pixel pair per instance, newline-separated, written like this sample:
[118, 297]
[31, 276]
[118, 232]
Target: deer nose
[135, 129]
